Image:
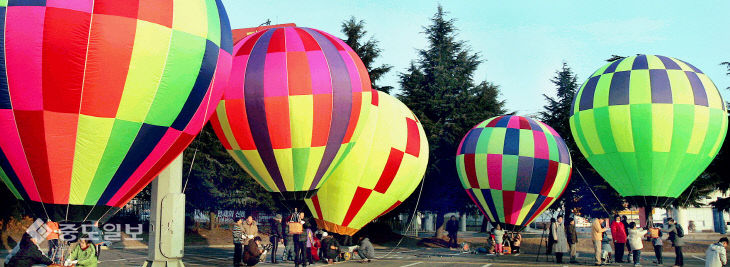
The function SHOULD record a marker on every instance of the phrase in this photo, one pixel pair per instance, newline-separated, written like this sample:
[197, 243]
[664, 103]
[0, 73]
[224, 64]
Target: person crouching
[252, 254]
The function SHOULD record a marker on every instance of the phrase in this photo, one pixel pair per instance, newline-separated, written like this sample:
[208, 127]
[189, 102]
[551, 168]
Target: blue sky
[523, 43]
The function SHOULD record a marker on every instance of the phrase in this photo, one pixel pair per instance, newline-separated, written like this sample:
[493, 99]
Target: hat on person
[278, 217]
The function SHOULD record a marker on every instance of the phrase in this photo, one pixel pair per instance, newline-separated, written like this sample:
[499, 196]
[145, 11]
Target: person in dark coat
[300, 240]
[551, 238]
[572, 237]
[323, 246]
[452, 227]
[332, 250]
[252, 254]
[28, 254]
[625, 222]
[277, 232]
[677, 241]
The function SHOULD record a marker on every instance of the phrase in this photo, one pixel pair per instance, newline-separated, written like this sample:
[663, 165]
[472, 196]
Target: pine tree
[216, 181]
[578, 196]
[439, 88]
[368, 51]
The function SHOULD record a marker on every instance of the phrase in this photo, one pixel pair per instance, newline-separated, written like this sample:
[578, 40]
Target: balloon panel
[291, 110]
[384, 167]
[513, 168]
[649, 124]
[97, 97]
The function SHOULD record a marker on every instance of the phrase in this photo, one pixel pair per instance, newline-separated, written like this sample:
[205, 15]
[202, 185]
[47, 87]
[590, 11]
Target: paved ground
[200, 256]
[402, 257]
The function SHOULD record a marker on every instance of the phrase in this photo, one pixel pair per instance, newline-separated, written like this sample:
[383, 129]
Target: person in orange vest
[52, 238]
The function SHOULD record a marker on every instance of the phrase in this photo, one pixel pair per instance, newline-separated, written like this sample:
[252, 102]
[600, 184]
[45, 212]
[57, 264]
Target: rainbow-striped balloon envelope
[97, 97]
[513, 168]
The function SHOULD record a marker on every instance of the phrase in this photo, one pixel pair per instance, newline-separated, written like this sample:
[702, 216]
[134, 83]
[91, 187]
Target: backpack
[680, 231]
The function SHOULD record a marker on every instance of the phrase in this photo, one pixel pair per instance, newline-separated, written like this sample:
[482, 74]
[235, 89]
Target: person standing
[309, 244]
[676, 234]
[300, 239]
[96, 236]
[237, 241]
[572, 237]
[635, 236]
[597, 230]
[498, 238]
[560, 242]
[658, 246]
[452, 227]
[619, 238]
[625, 222]
[277, 232]
[315, 249]
[551, 237]
[52, 238]
[250, 229]
[716, 255]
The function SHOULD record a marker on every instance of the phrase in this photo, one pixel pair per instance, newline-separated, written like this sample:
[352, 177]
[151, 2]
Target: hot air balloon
[649, 125]
[513, 168]
[383, 168]
[289, 114]
[98, 97]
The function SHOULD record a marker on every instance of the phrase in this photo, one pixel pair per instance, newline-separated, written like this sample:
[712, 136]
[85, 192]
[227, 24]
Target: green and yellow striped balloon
[649, 125]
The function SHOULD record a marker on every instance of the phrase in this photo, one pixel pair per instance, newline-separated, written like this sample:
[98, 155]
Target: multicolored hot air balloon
[289, 114]
[513, 168]
[649, 125]
[385, 165]
[98, 96]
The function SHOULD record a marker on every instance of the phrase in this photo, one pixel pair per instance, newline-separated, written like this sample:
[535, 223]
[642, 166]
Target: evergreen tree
[578, 196]
[216, 181]
[439, 88]
[368, 51]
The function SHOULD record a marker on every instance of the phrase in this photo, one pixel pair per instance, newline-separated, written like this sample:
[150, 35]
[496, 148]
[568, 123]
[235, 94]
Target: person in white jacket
[716, 254]
[635, 236]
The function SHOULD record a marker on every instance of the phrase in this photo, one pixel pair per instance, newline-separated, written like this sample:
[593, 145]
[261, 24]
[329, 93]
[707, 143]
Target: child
[492, 245]
[606, 248]
[635, 236]
[516, 241]
[288, 250]
[656, 240]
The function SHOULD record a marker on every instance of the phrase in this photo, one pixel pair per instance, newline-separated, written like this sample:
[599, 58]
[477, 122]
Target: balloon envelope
[289, 115]
[649, 125]
[97, 97]
[383, 168]
[513, 168]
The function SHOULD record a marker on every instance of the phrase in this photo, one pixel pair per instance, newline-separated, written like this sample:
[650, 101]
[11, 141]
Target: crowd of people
[304, 244]
[630, 236]
[624, 235]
